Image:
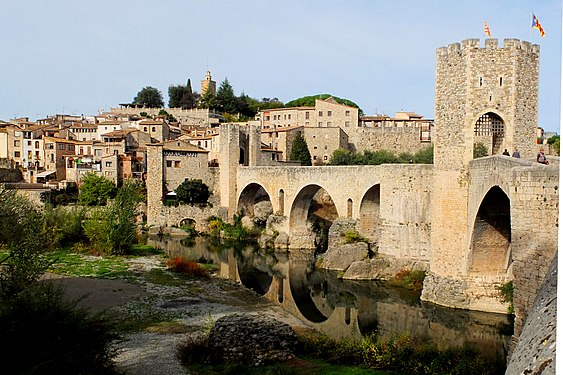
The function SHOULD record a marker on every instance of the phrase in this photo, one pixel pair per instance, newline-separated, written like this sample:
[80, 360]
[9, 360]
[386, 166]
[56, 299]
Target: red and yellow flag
[487, 30]
[536, 24]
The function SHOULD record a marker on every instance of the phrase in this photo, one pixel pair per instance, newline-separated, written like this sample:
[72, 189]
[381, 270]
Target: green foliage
[43, 333]
[193, 191]
[111, 229]
[410, 279]
[72, 264]
[182, 96]
[344, 157]
[234, 232]
[309, 101]
[424, 156]
[95, 190]
[226, 100]
[352, 236]
[507, 295]
[300, 151]
[555, 143]
[21, 232]
[479, 150]
[207, 100]
[62, 226]
[149, 97]
[400, 354]
[166, 115]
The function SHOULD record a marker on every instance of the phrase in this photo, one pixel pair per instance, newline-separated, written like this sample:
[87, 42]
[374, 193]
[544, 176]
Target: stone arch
[254, 201]
[490, 250]
[369, 213]
[312, 214]
[490, 128]
[187, 221]
[302, 204]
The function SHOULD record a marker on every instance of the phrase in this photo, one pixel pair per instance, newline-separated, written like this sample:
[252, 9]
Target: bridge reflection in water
[343, 308]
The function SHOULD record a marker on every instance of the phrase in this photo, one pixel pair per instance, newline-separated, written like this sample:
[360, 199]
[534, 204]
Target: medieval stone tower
[208, 84]
[487, 95]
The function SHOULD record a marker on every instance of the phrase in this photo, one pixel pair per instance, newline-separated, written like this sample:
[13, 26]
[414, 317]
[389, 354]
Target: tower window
[480, 81]
[500, 81]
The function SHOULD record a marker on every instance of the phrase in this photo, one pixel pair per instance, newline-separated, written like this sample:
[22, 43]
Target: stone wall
[396, 140]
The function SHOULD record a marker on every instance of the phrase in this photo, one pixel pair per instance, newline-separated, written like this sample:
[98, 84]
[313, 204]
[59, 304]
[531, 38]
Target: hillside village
[61, 149]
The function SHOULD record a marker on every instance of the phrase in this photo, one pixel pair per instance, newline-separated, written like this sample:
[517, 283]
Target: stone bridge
[510, 233]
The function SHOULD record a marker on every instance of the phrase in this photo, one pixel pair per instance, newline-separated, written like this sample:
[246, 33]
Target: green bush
[352, 236]
[63, 226]
[193, 191]
[42, 333]
[95, 190]
[479, 150]
[507, 295]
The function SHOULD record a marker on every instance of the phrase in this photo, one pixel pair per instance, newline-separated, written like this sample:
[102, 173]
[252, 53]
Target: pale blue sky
[81, 56]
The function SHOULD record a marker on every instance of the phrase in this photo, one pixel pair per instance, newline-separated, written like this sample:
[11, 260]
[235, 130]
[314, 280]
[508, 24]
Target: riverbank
[156, 310]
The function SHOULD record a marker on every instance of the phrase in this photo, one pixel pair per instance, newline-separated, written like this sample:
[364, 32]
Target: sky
[81, 57]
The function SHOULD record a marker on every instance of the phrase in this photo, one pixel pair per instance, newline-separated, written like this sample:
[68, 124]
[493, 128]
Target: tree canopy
[226, 100]
[344, 157]
[192, 191]
[309, 101]
[95, 190]
[300, 150]
[149, 97]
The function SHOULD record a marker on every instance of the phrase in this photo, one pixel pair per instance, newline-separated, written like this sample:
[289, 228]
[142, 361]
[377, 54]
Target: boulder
[382, 268]
[341, 257]
[251, 339]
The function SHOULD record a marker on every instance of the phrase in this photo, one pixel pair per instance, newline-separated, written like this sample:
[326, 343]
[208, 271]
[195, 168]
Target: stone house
[56, 151]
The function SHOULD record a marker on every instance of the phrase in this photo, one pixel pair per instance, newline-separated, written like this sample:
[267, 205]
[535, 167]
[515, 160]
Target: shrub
[352, 236]
[95, 190]
[42, 333]
[424, 156]
[410, 279]
[193, 350]
[187, 267]
[507, 295]
[479, 150]
[193, 191]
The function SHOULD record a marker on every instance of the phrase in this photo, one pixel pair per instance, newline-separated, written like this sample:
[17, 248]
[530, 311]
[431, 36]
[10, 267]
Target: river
[345, 309]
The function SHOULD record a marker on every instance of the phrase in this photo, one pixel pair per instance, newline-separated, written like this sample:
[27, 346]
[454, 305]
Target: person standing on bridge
[541, 157]
[516, 153]
[505, 152]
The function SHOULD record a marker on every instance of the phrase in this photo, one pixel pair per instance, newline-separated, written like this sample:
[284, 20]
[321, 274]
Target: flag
[536, 24]
[487, 30]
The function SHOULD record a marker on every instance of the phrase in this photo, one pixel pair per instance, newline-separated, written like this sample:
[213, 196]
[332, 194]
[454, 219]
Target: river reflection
[344, 308]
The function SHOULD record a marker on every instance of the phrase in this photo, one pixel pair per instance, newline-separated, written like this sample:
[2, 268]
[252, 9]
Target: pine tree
[300, 151]
[226, 99]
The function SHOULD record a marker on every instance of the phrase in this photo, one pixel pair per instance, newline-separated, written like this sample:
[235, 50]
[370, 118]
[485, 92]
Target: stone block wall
[396, 140]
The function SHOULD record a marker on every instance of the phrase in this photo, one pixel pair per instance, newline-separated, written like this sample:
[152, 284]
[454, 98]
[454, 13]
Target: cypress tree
[300, 151]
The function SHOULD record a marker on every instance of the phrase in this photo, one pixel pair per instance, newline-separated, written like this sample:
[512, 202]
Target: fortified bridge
[510, 225]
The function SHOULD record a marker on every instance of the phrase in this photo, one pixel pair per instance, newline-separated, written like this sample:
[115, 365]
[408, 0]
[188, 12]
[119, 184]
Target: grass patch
[77, 265]
[139, 250]
[352, 236]
[173, 327]
[159, 276]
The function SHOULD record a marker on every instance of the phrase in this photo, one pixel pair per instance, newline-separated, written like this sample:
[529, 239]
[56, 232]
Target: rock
[253, 339]
[247, 222]
[382, 268]
[341, 257]
[281, 241]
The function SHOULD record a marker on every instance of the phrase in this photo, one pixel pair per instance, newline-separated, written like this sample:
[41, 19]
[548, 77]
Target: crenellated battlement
[457, 49]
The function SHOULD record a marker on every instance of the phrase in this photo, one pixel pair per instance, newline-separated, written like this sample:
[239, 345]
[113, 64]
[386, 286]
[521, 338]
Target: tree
[95, 190]
[226, 99]
[479, 150]
[111, 229]
[300, 151]
[193, 191]
[175, 94]
[207, 100]
[309, 101]
[149, 97]
[340, 156]
[424, 156]
[555, 143]
[189, 99]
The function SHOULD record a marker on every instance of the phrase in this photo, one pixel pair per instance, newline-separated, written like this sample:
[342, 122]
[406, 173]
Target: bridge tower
[483, 95]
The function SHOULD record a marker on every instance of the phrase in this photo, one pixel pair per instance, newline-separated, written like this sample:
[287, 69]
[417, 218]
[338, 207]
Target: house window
[145, 129]
[326, 147]
[329, 124]
[108, 163]
[315, 157]
[16, 143]
[62, 146]
[306, 115]
[346, 123]
[169, 163]
[29, 143]
[320, 113]
[153, 129]
[347, 113]
[329, 113]
[176, 163]
[314, 147]
[17, 154]
[71, 147]
[320, 124]
[98, 152]
[325, 157]
[289, 116]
